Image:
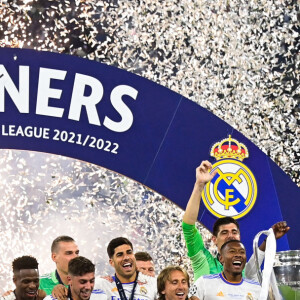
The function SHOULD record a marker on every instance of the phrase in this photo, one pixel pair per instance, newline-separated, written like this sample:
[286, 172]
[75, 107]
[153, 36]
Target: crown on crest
[229, 148]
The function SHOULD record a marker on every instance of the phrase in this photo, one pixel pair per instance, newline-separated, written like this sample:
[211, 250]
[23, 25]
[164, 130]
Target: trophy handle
[255, 247]
[259, 274]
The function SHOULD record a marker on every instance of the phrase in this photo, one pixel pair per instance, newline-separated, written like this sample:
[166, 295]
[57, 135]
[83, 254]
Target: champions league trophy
[281, 271]
[287, 272]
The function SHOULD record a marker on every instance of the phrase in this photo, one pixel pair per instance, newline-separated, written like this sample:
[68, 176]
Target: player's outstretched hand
[280, 229]
[203, 174]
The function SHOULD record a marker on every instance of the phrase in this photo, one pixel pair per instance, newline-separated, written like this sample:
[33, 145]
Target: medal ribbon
[121, 290]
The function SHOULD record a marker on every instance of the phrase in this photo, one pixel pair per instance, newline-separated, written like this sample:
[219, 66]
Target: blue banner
[100, 114]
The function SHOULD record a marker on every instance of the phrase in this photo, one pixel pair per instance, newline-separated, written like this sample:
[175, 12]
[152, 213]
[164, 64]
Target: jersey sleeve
[151, 285]
[196, 249]
[250, 269]
[100, 284]
[197, 289]
[98, 294]
[49, 297]
[48, 282]
[193, 239]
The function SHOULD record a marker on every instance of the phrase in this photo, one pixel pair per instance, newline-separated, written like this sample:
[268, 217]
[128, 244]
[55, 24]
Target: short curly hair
[80, 266]
[24, 262]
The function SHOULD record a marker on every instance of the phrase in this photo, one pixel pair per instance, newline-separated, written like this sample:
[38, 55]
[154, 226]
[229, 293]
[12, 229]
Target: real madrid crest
[249, 296]
[143, 290]
[233, 190]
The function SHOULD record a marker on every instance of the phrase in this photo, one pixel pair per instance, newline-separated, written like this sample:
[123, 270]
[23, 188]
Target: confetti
[238, 59]
[53, 195]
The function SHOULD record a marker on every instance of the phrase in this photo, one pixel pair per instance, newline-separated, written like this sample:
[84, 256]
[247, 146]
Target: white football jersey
[96, 295]
[146, 288]
[216, 287]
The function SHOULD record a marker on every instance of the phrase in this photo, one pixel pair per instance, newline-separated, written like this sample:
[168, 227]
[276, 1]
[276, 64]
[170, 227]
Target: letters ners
[82, 85]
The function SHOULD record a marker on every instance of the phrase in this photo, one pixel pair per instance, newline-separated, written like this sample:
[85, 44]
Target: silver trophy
[287, 271]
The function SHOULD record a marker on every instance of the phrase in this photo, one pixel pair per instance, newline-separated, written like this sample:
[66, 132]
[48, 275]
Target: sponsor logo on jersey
[220, 294]
[233, 190]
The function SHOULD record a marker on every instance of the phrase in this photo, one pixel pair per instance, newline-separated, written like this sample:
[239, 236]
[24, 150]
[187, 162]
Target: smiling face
[81, 286]
[27, 284]
[146, 267]
[233, 257]
[123, 261]
[176, 286]
[64, 253]
[226, 233]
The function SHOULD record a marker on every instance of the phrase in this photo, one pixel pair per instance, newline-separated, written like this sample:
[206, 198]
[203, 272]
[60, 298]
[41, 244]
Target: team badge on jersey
[233, 190]
[143, 290]
[249, 296]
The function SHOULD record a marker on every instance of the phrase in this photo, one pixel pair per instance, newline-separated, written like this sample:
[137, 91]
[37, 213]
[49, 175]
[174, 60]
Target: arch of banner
[134, 127]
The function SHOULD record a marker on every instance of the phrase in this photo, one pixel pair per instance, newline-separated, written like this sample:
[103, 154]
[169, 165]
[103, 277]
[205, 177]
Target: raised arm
[280, 229]
[202, 177]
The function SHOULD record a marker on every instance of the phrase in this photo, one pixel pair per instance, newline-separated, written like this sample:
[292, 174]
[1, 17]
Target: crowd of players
[227, 275]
